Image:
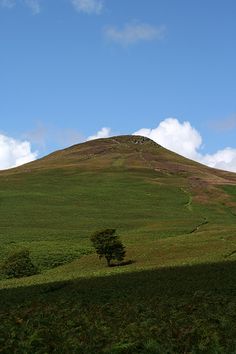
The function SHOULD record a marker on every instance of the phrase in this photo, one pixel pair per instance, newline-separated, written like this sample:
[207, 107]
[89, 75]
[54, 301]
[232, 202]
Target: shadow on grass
[217, 278]
[177, 310]
[121, 264]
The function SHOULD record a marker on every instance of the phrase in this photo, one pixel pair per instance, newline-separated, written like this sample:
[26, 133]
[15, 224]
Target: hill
[176, 218]
[148, 193]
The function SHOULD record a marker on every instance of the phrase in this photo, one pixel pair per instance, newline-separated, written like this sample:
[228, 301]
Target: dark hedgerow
[108, 245]
[18, 265]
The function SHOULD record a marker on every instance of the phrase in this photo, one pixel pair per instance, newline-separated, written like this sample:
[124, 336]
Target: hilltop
[127, 151]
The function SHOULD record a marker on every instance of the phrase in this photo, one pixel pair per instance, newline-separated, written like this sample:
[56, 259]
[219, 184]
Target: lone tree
[108, 245]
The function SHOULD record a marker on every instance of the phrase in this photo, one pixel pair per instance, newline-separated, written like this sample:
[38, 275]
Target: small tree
[18, 265]
[108, 245]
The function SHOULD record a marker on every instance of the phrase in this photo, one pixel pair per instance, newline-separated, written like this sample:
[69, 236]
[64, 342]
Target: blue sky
[72, 67]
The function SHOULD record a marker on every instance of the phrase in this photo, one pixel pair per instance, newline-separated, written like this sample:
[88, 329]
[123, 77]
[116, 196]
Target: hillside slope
[167, 209]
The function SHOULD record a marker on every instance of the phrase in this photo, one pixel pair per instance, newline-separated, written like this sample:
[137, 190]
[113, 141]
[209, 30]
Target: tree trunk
[108, 262]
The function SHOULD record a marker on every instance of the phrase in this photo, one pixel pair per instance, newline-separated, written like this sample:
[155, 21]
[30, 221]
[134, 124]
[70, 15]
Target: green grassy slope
[51, 206]
[169, 212]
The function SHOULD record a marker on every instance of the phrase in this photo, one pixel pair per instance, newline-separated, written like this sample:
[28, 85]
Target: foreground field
[171, 310]
[177, 220]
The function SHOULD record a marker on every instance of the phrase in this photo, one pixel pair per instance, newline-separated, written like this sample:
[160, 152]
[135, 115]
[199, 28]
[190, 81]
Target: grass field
[169, 310]
[177, 220]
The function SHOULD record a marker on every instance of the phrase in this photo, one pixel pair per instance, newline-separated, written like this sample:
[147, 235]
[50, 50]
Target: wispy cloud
[44, 135]
[67, 137]
[88, 6]
[224, 125]
[38, 136]
[135, 32]
[33, 5]
[7, 3]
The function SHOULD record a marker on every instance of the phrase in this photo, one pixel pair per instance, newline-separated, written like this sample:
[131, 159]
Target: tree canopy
[108, 245]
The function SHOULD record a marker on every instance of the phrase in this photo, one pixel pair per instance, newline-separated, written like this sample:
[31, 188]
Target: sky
[76, 70]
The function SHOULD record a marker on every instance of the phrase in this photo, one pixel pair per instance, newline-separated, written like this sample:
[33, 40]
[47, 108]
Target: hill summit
[128, 152]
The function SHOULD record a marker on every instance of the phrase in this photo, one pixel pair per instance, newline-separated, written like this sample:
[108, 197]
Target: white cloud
[185, 140]
[14, 153]
[88, 6]
[223, 159]
[103, 133]
[135, 32]
[175, 136]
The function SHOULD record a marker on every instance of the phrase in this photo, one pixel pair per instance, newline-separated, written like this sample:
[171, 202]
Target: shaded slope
[170, 310]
